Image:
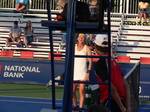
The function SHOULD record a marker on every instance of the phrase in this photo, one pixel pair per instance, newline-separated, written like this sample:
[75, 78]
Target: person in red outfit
[120, 91]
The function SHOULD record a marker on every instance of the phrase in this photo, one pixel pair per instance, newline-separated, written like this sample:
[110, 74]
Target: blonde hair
[29, 27]
[82, 34]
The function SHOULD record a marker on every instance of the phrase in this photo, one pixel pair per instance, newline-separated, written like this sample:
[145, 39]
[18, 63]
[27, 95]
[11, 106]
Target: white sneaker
[50, 82]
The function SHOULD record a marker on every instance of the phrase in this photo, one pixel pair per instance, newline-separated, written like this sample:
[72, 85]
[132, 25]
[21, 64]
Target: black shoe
[144, 23]
[139, 23]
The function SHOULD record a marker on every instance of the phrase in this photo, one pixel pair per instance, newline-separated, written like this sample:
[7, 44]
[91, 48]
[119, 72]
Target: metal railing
[126, 6]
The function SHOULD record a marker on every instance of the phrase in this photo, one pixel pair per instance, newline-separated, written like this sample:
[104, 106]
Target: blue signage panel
[144, 89]
[27, 72]
[39, 72]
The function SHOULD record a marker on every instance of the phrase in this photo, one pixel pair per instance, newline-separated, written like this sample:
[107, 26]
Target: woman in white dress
[81, 70]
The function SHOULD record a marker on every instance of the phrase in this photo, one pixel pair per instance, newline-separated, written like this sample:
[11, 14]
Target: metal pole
[124, 6]
[101, 14]
[109, 54]
[52, 56]
[127, 6]
[121, 2]
[30, 3]
[69, 62]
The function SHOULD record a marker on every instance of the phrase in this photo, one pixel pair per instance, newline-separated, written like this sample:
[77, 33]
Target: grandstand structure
[128, 40]
[121, 6]
[40, 46]
[132, 40]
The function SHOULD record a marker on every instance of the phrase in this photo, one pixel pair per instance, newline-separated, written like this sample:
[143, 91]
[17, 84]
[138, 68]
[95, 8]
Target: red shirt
[101, 70]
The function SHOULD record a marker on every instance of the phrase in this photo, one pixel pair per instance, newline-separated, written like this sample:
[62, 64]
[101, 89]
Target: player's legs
[60, 4]
[74, 97]
[18, 40]
[81, 92]
[145, 17]
[8, 40]
[18, 6]
[141, 15]
[21, 7]
[25, 42]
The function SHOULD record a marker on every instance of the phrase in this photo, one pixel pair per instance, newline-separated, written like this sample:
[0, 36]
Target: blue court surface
[21, 104]
[144, 108]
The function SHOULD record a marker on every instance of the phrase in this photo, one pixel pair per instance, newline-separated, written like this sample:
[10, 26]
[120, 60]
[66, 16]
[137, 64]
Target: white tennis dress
[80, 64]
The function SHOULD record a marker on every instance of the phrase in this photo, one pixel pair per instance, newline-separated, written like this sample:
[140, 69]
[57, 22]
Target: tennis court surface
[35, 98]
[24, 104]
[27, 98]
[20, 104]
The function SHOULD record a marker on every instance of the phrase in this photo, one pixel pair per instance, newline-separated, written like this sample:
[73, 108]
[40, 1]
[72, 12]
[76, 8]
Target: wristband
[88, 71]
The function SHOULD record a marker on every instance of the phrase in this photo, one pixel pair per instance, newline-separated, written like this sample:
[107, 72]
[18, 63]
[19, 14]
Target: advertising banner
[39, 72]
[144, 88]
[27, 72]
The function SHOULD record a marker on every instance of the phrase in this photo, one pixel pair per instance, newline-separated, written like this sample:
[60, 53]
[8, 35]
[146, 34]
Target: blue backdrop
[27, 71]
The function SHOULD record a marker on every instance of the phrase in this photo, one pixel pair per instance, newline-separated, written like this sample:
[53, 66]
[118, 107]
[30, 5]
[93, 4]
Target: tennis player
[81, 69]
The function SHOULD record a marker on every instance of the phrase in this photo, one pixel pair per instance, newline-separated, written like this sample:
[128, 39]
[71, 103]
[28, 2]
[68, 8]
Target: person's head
[81, 38]
[91, 36]
[101, 44]
[96, 108]
[29, 23]
[15, 24]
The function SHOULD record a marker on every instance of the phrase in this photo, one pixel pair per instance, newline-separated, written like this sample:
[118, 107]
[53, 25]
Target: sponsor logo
[18, 71]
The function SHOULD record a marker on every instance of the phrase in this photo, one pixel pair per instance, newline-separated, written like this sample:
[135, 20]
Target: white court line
[21, 100]
[143, 82]
[29, 97]
[26, 101]
[131, 70]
